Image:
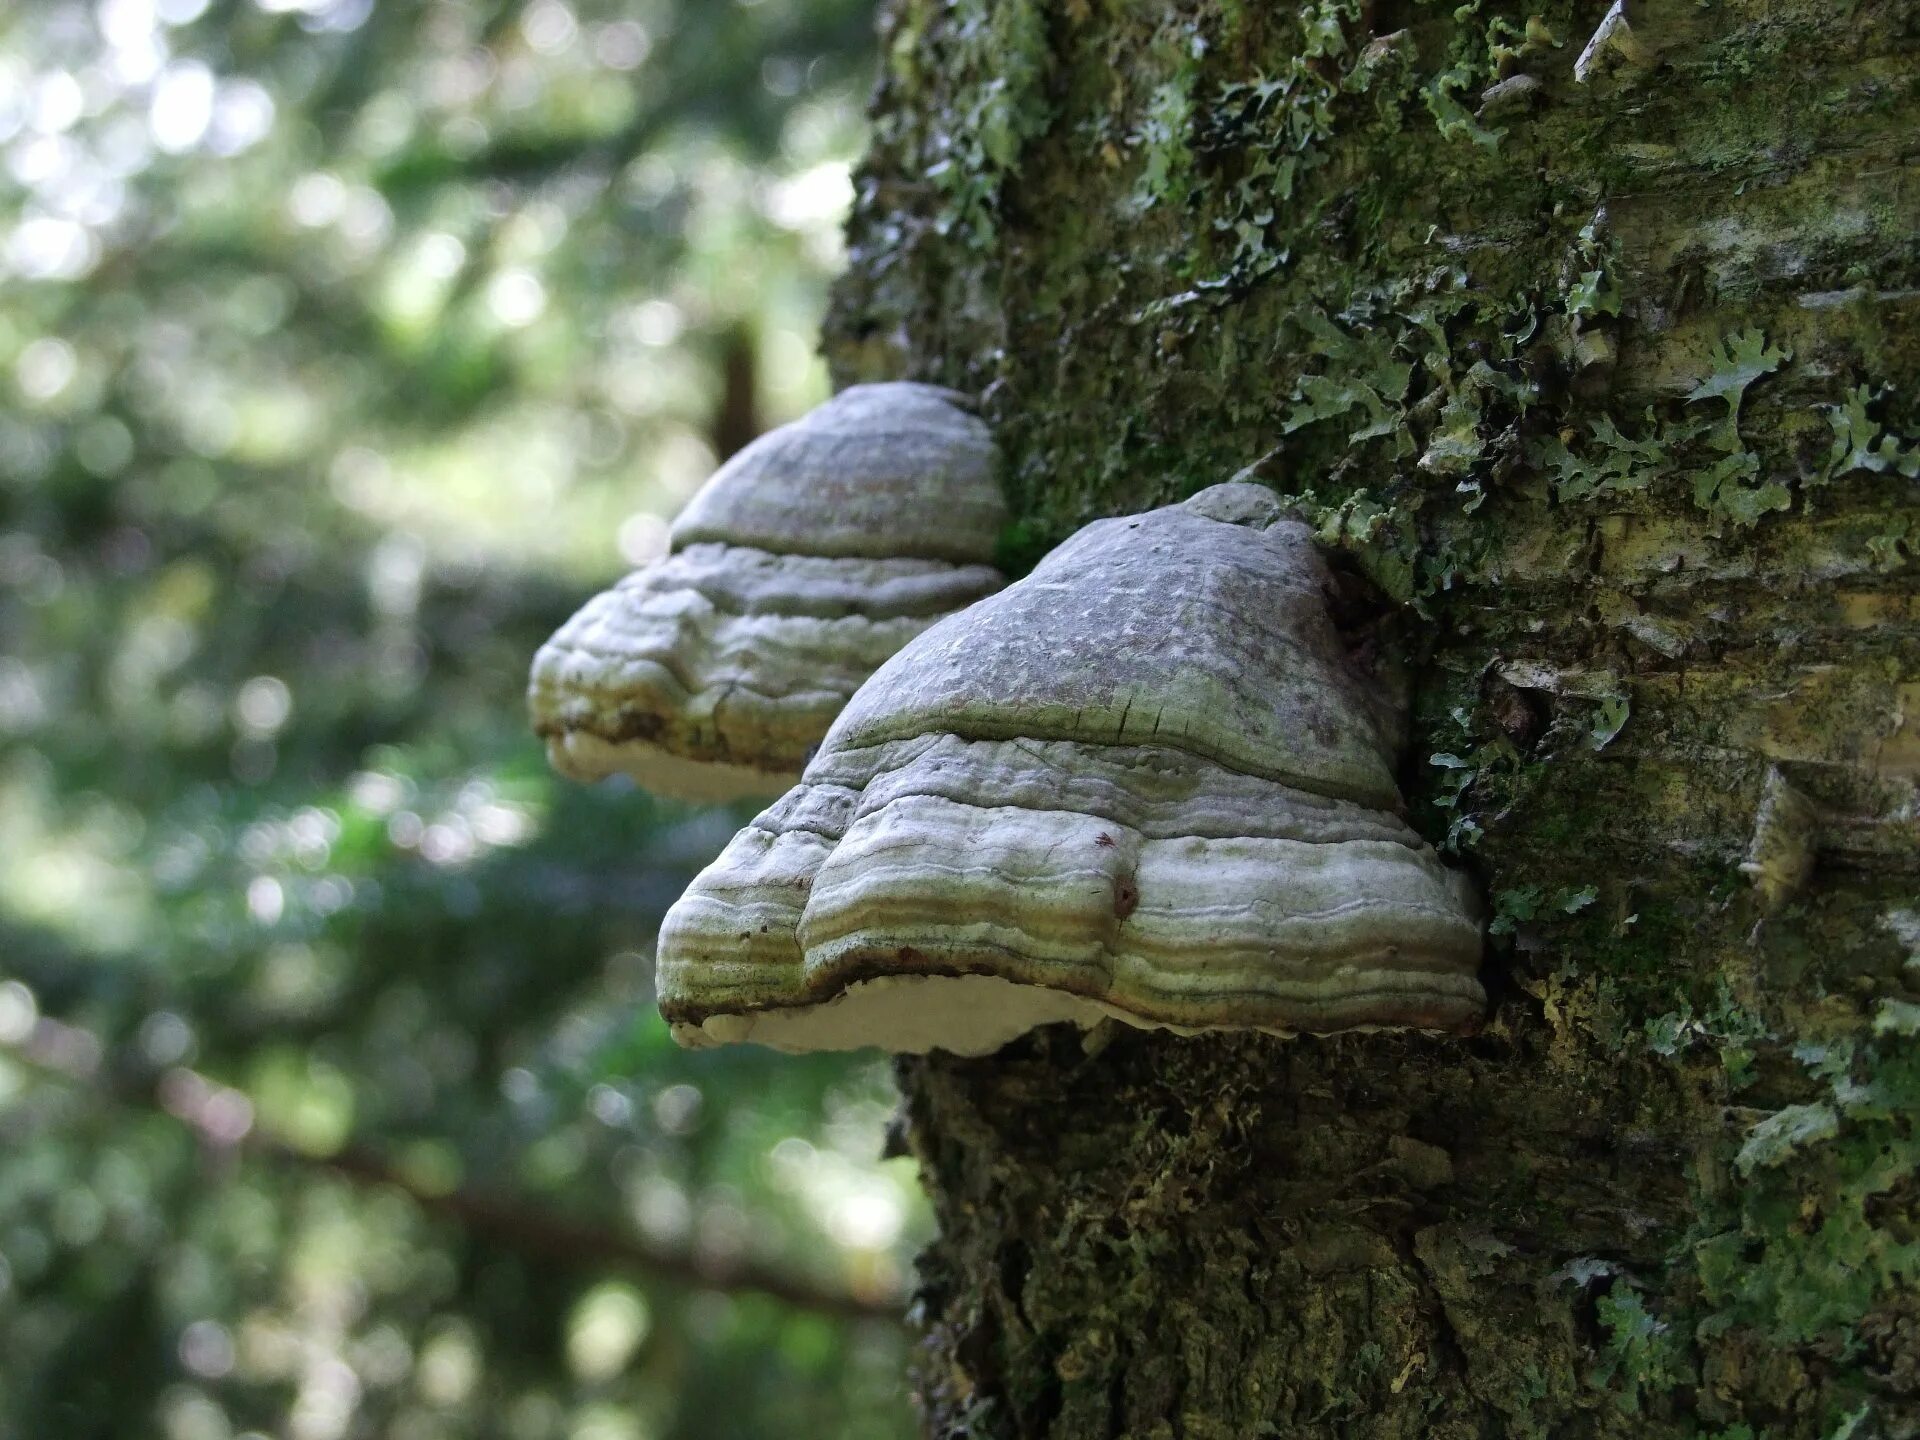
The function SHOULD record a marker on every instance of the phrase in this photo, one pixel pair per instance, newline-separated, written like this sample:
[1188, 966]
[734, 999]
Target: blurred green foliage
[345, 347]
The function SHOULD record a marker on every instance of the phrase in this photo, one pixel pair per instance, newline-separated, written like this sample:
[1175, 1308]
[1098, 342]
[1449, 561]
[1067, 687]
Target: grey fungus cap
[1144, 783]
[805, 562]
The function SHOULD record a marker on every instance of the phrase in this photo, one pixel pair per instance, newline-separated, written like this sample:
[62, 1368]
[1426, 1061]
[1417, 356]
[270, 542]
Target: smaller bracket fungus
[805, 561]
[1146, 783]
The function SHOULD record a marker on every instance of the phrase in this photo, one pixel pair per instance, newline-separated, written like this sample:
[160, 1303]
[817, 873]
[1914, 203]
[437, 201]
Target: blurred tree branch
[223, 1119]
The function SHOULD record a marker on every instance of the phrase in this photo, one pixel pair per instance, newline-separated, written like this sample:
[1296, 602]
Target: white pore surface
[579, 755]
[908, 1014]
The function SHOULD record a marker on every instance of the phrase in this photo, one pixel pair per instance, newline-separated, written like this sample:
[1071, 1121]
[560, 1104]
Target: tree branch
[223, 1119]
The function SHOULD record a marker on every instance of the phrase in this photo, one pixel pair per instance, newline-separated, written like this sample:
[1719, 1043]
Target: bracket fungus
[805, 561]
[1146, 783]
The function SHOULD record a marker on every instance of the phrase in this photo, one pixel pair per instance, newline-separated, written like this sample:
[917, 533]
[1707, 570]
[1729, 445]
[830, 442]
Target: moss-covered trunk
[1603, 357]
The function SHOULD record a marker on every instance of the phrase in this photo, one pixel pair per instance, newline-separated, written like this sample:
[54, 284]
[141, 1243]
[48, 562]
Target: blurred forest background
[346, 347]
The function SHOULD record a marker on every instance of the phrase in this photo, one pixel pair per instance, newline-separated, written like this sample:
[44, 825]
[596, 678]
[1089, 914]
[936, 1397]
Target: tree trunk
[1593, 335]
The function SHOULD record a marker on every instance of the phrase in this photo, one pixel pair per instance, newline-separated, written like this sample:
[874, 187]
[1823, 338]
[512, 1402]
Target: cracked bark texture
[1611, 381]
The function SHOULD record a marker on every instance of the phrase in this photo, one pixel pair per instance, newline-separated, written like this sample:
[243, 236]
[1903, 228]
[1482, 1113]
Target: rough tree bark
[1593, 335]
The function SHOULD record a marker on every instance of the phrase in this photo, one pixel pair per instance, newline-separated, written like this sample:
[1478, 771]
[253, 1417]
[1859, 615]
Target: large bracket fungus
[1146, 783]
[807, 560]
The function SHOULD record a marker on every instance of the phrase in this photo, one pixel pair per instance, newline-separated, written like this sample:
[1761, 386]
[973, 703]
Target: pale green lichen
[1738, 361]
[1609, 719]
[1802, 1273]
[1722, 1025]
[1611, 462]
[1726, 489]
[1894, 546]
[1162, 138]
[1003, 51]
[1774, 1140]
[1456, 122]
[1517, 906]
[1861, 443]
[1593, 295]
[1644, 1354]
[1479, 773]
